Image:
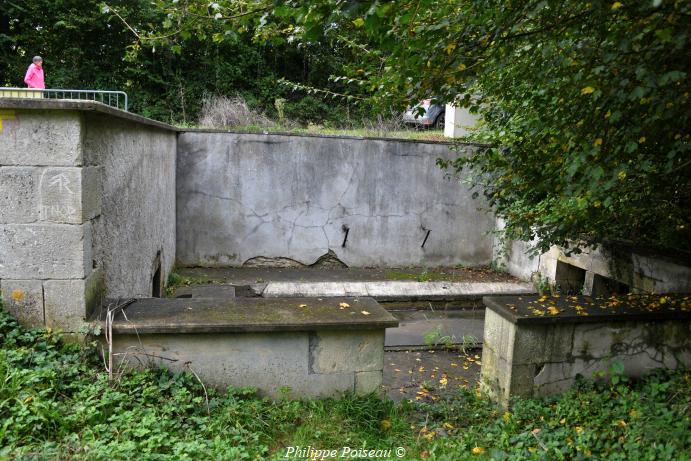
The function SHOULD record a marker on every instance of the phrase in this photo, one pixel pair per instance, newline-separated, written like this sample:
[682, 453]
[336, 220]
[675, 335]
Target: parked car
[432, 116]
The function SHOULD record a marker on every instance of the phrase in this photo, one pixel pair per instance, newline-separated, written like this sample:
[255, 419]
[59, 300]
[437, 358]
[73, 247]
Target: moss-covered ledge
[535, 346]
[244, 315]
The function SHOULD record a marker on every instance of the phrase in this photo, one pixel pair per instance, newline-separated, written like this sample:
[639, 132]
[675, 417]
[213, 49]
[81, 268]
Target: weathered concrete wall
[137, 219]
[306, 364]
[245, 196]
[638, 269]
[86, 202]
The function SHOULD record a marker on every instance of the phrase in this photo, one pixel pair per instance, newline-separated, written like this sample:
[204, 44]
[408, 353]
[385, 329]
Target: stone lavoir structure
[98, 204]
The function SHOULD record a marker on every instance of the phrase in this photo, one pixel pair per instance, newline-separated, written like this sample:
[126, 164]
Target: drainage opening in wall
[569, 278]
[604, 286]
[156, 282]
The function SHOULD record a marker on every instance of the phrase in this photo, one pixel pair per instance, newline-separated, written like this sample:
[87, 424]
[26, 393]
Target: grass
[56, 404]
[451, 274]
[411, 134]
[176, 280]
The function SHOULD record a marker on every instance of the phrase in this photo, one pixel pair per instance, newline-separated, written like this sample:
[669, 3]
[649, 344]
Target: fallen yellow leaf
[365, 313]
[587, 90]
[477, 450]
[344, 305]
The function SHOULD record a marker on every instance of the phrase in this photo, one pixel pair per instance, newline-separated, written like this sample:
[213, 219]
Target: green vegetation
[425, 275]
[56, 403]
[176, 280]
[586, 104]
[85, 47]
[436, 337]
[459, 273]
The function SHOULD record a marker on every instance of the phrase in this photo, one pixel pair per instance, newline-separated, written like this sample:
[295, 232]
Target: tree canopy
[85, 47]
[585, 104]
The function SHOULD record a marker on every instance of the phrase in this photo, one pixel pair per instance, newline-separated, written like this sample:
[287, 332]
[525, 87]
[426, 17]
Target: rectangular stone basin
[300, 347]
[536, 346]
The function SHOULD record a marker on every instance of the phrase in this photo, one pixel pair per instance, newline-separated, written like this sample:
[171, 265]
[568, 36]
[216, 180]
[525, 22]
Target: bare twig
[206, 395]
[539, 441]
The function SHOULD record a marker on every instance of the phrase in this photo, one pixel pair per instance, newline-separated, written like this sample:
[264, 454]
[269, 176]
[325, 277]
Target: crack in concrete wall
[328, 259]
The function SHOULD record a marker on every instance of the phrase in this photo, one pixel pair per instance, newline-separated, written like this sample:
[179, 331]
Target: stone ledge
[244, 315]
[394, 290]
[517, 309]
[85, 106]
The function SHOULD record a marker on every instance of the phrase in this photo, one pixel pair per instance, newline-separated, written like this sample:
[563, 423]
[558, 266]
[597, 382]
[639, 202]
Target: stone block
[42, 138]
[18, 194]
[346, 351]
[92, 192]
[24, 300]
[70, 195]
[368, 381]
[499, 334]
[45, 251]
[553, 378]
[274, 363]
[522, 380]
[608, 339]
[69, 302]
[542, 343]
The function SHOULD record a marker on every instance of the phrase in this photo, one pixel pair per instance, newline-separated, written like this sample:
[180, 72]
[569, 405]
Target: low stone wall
[251, 199]
[303, 347]
[87, 207]
[531, 356]
[599, 271]
[301, 364]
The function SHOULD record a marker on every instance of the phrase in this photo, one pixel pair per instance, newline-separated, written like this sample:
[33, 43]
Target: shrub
[231, 112]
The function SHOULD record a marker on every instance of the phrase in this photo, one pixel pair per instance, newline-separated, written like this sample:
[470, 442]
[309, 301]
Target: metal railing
[117, 99]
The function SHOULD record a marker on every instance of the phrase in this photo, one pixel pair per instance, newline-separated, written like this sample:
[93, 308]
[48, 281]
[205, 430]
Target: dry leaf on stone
[365, 313]
[344, 305]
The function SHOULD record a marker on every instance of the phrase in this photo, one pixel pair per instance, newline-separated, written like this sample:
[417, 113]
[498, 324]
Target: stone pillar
[48, 197]
[458, 121]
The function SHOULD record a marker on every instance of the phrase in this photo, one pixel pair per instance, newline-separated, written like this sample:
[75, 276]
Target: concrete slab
[587, 309]
[429, 375]
[396, 290]
[207, 315]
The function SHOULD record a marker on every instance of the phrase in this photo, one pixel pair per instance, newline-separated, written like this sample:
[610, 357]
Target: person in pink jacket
[34, 74]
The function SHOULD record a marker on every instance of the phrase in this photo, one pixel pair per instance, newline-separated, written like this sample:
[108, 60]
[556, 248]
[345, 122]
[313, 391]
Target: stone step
[395, 291]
